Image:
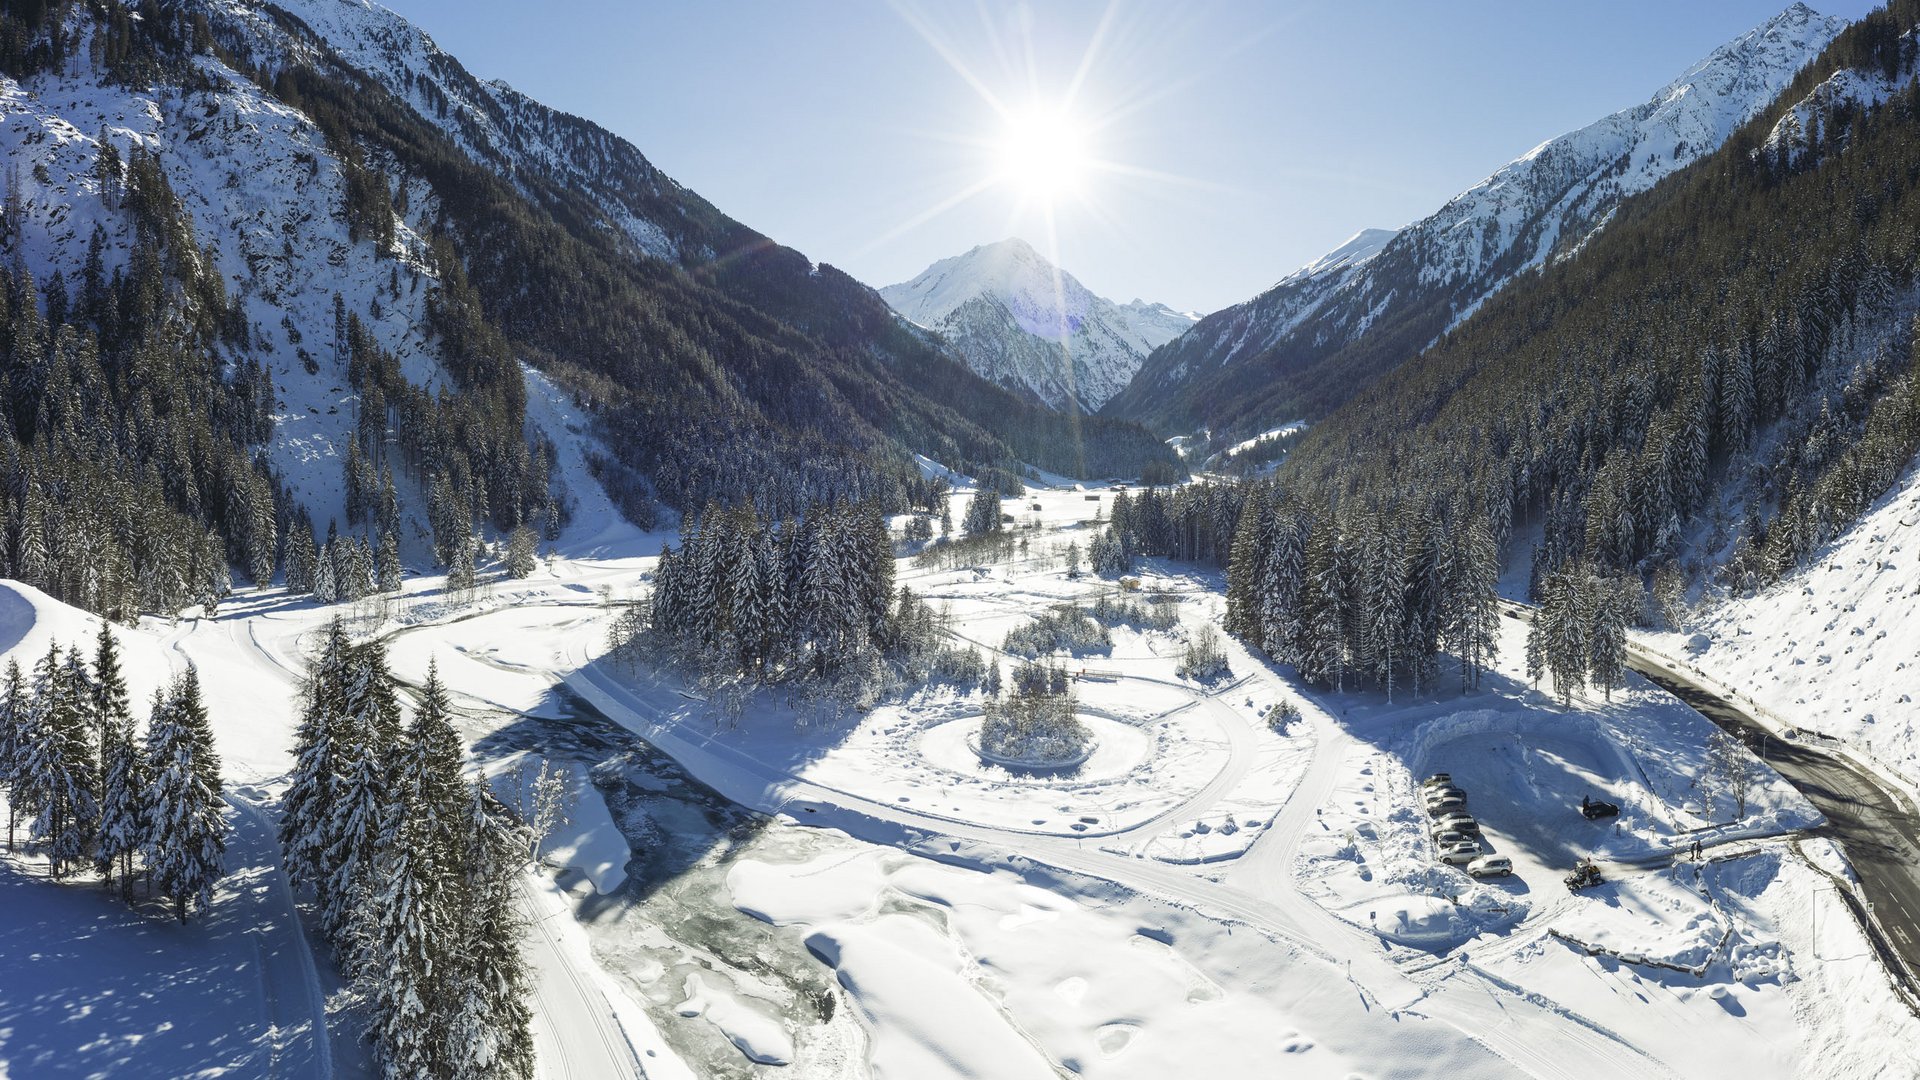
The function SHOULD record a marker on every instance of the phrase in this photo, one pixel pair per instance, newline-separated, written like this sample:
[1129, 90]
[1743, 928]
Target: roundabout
[1114, 749]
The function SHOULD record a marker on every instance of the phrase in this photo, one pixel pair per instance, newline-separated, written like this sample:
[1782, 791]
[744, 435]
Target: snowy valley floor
[1206, 896]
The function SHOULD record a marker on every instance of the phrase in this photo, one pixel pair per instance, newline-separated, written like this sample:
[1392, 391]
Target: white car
[1490, 866]
[1461, 853]
[1453, 819]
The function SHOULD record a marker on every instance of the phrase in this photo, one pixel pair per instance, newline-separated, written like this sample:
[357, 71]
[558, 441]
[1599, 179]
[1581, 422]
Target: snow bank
[927, 1023]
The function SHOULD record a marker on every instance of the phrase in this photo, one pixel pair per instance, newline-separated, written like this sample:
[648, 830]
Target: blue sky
[1249, 138]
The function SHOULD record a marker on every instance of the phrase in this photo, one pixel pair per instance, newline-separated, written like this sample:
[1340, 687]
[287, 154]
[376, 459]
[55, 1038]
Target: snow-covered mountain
[337, 202]
[1304, 345]
[1029, 325]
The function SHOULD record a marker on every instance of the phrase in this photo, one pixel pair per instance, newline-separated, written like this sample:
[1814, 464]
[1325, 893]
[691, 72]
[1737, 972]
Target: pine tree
[1615, 600]
[61, 764]
[326, 583]
[491, 1022]
[983, 513]
[370, 719]
[191, 714]
[122, 779]
[302, 561]
[411, 946]
[16, 731]
[392, 574]
[187, 830]
[123, 810]
[320, 760]
[1475, 633]
[522, 548]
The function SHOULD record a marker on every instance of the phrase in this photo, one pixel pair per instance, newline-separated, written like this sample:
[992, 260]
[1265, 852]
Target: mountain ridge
[1304, 345]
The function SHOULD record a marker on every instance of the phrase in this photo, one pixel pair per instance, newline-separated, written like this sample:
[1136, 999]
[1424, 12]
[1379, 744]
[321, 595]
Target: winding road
[1872, 821]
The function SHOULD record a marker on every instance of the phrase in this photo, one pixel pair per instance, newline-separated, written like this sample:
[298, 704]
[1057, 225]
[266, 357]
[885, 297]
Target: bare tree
[1726, 773]
[553, 801]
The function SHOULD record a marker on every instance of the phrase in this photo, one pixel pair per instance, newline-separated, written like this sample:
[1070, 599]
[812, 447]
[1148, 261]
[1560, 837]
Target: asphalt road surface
[1875, 825]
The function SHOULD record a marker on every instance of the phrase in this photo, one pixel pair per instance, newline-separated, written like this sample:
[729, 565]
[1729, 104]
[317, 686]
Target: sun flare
[1042, 153]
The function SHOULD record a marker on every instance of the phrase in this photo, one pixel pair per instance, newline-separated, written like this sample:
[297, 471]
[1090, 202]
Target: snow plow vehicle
[1585, 876]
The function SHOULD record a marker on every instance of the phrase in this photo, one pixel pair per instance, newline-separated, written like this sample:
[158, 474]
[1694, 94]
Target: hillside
[1032, 327]
[1307, 344]
[1719, 385]
[350, 250]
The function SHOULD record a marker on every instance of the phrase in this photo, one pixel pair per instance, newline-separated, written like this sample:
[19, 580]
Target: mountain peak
[1023, 321]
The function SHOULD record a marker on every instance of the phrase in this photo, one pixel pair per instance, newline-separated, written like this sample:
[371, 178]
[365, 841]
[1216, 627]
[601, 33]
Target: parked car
[1440, 804]
[1490, 866]
[1468, 828]
[1593, 809]
[1438, 790]
[1445, 837]
[1456, 819]
[1462, 853]
[1438, 779]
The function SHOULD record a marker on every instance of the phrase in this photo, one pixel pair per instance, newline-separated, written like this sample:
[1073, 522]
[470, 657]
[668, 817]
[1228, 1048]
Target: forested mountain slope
[272, 272]
[1307, 344]
[1723, 380]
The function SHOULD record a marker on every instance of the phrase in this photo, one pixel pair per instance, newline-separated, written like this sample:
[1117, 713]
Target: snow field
[963, 972]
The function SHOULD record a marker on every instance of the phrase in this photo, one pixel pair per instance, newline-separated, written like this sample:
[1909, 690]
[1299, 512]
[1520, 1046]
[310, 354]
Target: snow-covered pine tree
[320, 761]
[123, 809]
[1615, 599]
[326, 582]
[391, 573]
[1325, 613]
[357, 575]
[370, 724]
[108, 703]
[522, 551]
[1563, 620]
[1279, 582]
[16, 723]
[1475, 606]
[983, 513]
[262, 530]
[1108, 553]
[190, 712]
[1382, 605]
[187, 829]
[121, 778]
[491, 1021]
[407, 934]
[64, 796]
[302, 560]
[462, 574]
[825, 597]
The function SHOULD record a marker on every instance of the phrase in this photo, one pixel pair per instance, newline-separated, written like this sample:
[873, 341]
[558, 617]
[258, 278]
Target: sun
[1042, 153]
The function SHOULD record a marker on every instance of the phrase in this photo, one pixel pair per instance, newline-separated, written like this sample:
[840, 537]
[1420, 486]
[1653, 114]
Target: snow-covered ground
[862, 897]
[1835, 647]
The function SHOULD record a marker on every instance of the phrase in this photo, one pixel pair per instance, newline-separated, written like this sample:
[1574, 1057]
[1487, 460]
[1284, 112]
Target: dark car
[1594, 809]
